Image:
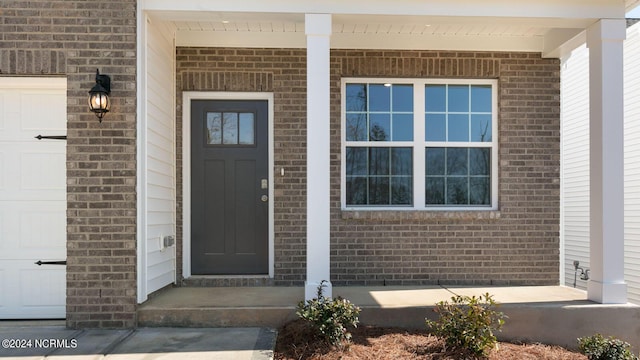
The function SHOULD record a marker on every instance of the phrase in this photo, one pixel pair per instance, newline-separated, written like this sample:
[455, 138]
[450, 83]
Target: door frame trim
[187, 97]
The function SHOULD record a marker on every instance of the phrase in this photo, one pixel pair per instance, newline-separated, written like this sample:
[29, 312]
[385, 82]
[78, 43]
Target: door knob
[264, 198]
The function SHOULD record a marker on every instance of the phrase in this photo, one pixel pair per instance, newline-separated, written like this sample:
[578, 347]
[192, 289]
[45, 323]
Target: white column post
[605, 39]
[318, 31]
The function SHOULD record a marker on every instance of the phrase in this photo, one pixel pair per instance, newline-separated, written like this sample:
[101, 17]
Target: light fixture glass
[99, 102]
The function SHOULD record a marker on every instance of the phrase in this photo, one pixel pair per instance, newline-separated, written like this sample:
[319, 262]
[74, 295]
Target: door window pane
[230, 128]
[214, 128]
[246, 127]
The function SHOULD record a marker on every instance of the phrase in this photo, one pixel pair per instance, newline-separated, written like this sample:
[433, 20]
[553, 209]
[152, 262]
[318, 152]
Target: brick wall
[517, 245]
[72, 39]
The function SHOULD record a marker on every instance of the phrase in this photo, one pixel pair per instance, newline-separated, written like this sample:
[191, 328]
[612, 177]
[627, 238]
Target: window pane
[402, 127]
[480, 191]
[481, 98]
[435, 127]
[481, 128]
[435, 161]
[378, 161]
[214, 128]
[457, 193]
[401, 190]
[403, 98]
[230, 128]
[356, 127]
[379, 191]
[356, 161]
[380, 127]
[458, 98]
[480, 161]
[434, 190]
[356, 99]
[379, 97]
[457, 161]
[435, 98]
[458, 128]
[247, 136]
[356, 190]
[401, 161]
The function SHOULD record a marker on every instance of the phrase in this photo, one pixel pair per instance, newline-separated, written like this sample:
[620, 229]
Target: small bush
[330, 317]
[596, 347]
[468, 323]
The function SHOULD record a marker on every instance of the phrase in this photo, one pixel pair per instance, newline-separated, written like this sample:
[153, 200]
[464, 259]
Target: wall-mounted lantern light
[99, 102]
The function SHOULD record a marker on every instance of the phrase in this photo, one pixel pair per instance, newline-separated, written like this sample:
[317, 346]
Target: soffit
[511, 31]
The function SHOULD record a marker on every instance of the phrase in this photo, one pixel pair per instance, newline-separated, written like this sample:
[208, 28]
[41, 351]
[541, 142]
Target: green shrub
[468, 323]
[330, 317]
[596, 347]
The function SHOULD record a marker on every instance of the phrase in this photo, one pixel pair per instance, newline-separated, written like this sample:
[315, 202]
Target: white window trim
[420, 143]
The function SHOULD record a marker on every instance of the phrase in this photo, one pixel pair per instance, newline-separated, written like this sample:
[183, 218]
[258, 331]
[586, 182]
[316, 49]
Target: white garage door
[32, 198]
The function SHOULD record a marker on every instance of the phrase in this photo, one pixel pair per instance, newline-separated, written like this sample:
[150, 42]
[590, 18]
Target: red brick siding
[517, 245]
[72, 39]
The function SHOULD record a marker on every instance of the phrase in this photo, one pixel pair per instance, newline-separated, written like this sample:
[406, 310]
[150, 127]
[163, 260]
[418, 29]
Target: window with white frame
[419, 144]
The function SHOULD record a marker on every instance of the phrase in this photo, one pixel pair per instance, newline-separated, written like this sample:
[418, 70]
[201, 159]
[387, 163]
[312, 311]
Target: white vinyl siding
[159, 158]
[632, 162]
[575, 164]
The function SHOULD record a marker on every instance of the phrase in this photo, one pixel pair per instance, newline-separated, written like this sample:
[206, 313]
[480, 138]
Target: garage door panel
[32, 292]
[27, 174]
[33, 229]
[32, 104]
[32, 198]
[42, 171]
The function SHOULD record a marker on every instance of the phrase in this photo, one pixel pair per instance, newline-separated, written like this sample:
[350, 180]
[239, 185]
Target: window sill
[360, 214]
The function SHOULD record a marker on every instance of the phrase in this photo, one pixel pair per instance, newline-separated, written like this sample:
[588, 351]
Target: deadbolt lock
[264, 198]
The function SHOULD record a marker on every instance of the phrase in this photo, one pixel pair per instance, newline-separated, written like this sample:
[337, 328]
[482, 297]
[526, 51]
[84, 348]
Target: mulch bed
[296, 340]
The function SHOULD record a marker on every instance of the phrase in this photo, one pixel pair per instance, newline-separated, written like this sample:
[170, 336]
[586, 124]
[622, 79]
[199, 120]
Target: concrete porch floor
[548, 314]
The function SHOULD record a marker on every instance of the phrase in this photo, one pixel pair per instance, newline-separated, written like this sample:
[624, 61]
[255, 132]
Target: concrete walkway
[40, 341]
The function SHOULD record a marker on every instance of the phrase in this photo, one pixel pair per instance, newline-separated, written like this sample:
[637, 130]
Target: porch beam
[318, 32]
[605, 41]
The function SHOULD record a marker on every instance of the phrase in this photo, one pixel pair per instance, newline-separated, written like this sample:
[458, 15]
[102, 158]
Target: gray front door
[229, 187]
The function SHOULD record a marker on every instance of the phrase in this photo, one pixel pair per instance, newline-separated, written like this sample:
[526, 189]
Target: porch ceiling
[552, 28]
